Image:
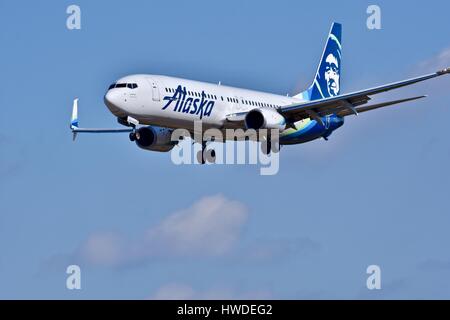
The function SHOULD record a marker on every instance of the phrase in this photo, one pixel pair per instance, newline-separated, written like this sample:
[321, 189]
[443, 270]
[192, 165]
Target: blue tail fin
[327, 80]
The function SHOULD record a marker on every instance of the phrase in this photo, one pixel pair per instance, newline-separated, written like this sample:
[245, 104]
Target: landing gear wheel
[201, 154]
[211, 156]
[200, 157]
[266, 147]
[132, 136]
[275, 146]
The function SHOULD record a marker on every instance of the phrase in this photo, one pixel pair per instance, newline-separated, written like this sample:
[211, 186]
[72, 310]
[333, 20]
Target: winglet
[444, 71]
[74, 120]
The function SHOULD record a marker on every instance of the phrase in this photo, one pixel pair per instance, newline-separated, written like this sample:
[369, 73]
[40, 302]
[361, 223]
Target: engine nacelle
[265, 118]
[154, 139]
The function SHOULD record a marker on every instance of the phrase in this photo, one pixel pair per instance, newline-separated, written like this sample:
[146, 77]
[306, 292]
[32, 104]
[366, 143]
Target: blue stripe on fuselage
[313, 130]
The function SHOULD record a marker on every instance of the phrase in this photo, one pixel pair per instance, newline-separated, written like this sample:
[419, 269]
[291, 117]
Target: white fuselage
[176, 103]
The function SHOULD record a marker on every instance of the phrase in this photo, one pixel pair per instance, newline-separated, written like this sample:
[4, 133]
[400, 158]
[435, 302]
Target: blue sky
[141, 227]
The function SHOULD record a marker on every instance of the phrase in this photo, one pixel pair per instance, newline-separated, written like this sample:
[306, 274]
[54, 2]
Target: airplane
[151, 107]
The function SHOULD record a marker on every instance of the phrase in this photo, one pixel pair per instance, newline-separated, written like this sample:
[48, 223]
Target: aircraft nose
[111, 98]
[112, 101]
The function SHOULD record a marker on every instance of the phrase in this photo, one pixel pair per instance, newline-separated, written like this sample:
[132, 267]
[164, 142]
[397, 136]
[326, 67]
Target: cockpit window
[123, 85]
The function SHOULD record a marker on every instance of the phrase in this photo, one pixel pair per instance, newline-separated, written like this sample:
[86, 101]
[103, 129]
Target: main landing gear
[209, 155]
[268, 145]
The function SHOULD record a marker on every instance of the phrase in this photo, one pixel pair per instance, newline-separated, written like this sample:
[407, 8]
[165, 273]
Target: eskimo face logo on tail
[332, 74]
[330, 68]
[185, 104]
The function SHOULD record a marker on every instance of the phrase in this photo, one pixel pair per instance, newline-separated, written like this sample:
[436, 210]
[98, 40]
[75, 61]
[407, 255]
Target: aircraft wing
[347, 104]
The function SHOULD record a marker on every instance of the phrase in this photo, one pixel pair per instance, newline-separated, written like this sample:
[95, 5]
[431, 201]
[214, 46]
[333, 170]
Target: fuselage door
[155, 90]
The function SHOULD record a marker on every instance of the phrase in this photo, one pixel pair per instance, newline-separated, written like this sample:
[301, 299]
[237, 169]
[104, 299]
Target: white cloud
[103, 248]
[210, 227]
[438, 62]
[434, 88]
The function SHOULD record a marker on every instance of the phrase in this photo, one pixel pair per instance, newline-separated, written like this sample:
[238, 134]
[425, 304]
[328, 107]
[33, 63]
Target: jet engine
[264, 118]
[153, 138]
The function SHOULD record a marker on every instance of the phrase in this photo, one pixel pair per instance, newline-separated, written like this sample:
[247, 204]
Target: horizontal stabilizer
[75, 129]
[345, 113]
[101, 130]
